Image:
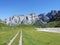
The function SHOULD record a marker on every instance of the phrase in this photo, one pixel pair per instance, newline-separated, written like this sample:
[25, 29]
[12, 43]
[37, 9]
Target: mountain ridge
[33, 18]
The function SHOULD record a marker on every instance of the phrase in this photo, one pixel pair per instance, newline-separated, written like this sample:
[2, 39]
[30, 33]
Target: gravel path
[20, 41]
[11, 41]
[55, 30]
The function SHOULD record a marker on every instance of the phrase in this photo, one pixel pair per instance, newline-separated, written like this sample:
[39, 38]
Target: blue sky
[9, 8]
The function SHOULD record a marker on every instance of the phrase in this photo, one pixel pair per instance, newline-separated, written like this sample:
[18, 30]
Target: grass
[6, 34]
[33, 37]
[16, 41]
[51, 24]
[30, 36]
[41, 38]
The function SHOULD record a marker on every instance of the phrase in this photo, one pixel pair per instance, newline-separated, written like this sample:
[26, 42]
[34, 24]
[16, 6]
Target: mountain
[21, 19]
[49, 17]
[34, 19]
[43, 18]
[56, 17]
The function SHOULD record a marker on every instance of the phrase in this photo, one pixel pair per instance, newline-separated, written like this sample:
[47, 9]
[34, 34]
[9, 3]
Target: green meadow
[40, 38]
[6, 34]
[30, 36]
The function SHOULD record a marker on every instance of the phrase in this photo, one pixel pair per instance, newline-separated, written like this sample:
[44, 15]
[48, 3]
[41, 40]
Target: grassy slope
[51, 24]
[0, 20]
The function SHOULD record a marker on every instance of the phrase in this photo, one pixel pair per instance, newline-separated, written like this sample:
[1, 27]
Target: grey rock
[21, 19]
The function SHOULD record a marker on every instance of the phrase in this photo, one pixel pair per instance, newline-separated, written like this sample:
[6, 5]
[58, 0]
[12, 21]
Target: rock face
[57, 16]
[43, 18]
[33, 18]
[51, 15]
[48, 17]
[21, 19]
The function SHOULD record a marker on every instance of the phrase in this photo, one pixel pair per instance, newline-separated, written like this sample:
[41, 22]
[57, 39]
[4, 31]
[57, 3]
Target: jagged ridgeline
[51, 19]
[21, 19]
[37, 20]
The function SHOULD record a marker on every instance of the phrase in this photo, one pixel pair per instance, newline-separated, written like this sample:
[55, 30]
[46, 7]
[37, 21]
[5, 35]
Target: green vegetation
[33, 37]
[51, 24]
[16, 41]
[40, 38]
[6, 34]
[30, 36]
[38, 23]
[3, 25]
[0, 20]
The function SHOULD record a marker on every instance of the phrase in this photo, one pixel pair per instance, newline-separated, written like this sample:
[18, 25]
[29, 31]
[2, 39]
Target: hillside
[3, 25]
[51, 24]
[0, 20]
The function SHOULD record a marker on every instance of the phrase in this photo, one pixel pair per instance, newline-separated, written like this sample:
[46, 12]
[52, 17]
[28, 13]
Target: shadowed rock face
[57, 16]
[51, 16]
